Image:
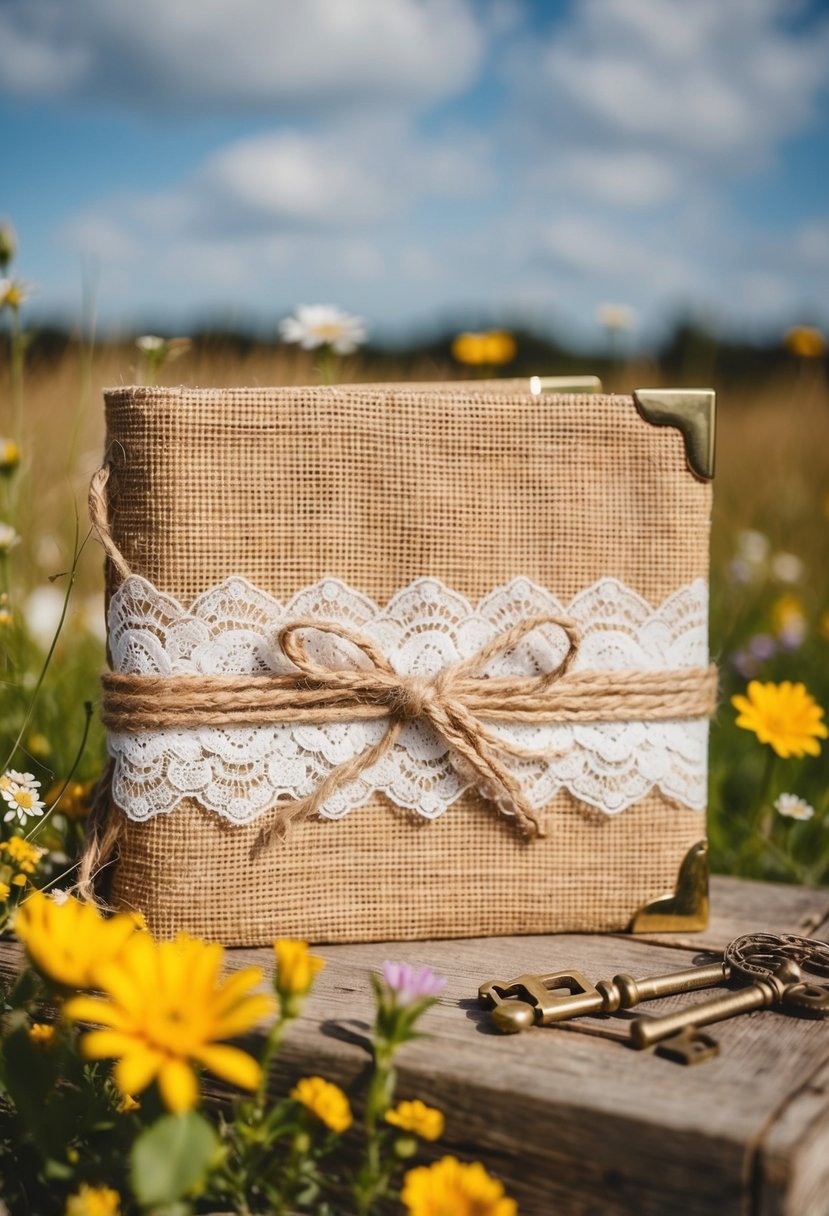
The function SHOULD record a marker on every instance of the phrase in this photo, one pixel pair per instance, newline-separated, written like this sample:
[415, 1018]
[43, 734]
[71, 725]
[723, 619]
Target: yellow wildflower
[806, 342]
[785, 716]
[484, 349]
[784, 610]
[416, 1117]
[128, 1104]
[326, 1101]
[295, 967]
[94, 1201]
[75, 801]
[39, 746]
[450, 1188]
[42, 1035]
[21, 853]
[166, 1008]
[6, 617]
[5, 892]
[70, 941]
[19, 880]
[9, 455]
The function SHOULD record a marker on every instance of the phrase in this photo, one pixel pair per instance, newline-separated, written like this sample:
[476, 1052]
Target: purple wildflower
[739, 571]
[745, 664]
[410, 985]
[763, 646]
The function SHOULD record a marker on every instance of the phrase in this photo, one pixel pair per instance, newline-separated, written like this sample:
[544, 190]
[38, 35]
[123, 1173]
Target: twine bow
[453, 701]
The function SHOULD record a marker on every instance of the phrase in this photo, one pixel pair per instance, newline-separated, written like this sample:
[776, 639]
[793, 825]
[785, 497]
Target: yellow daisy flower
[9, 455]
[450, 1188]
[166, 1009]
[326, 1101]
[42, 1035]
[417, 1118]
[70, 941]
[484, 349]
[295, 967]
[806, 342]
[94, 1201]
[5, 892]
[785, 716]
[75, 800]
[21, 854]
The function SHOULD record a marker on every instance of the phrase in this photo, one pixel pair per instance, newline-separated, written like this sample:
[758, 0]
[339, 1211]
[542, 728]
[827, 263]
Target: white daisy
[20, 791]
[8, 538]
[787, 568]
[617, 317]
[323, 325]
[793, 807]
[150, 342]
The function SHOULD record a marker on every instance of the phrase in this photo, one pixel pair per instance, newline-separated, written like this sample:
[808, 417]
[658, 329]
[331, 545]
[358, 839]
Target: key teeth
[688, 1046]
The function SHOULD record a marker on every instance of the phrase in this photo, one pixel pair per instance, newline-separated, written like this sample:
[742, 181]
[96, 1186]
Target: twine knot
[412, 698]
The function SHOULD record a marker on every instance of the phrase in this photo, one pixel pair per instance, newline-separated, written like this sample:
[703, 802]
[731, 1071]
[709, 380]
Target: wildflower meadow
[107, 1034]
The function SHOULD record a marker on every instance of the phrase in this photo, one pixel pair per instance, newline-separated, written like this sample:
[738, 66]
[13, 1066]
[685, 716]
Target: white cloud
[719, 79]
[607, 172]
[342, 180]
[251, 53]
[617, 177]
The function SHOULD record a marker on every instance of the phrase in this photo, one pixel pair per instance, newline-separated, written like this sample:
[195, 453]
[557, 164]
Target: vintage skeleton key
[543, 999]
[773, 964]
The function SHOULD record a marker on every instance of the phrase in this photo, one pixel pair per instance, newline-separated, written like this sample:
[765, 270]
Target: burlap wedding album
[405, 661]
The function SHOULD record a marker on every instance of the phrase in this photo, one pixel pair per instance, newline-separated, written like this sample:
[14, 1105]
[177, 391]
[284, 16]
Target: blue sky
[420, 161]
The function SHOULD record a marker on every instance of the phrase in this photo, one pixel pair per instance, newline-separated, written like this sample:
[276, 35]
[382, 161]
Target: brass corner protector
[693, 412]
[686, 908]
[564, 384]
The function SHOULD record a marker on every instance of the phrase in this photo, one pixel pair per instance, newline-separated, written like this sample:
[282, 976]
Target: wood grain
[573, 1119]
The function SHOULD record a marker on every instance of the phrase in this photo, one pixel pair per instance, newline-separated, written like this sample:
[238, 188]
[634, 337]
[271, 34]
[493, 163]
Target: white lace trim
[242, 772]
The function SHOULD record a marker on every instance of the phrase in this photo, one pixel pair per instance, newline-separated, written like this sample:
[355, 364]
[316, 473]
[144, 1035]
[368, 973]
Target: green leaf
[172, 1158]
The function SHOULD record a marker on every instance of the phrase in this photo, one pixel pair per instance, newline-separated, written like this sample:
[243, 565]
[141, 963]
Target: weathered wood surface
[575, 1121]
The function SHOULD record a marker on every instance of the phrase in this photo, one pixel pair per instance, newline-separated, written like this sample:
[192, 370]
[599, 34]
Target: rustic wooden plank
[791, 1169]
[573, 1119]
[572, 1123]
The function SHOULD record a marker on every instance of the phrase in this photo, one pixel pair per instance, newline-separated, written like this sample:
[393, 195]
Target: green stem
[787, 861]
[17, 352]
[272, 1044]
[374, 1180]
[763, 815]
[45, 667]
[327, 366]
[84, 736]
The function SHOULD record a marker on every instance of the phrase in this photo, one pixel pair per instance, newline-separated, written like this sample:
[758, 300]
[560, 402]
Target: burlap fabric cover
[380, 485]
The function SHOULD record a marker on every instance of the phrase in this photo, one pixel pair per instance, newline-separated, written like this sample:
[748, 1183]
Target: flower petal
[177, 1084]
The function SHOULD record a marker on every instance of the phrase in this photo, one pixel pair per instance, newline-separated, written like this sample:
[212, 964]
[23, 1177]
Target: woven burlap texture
[377, 486]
